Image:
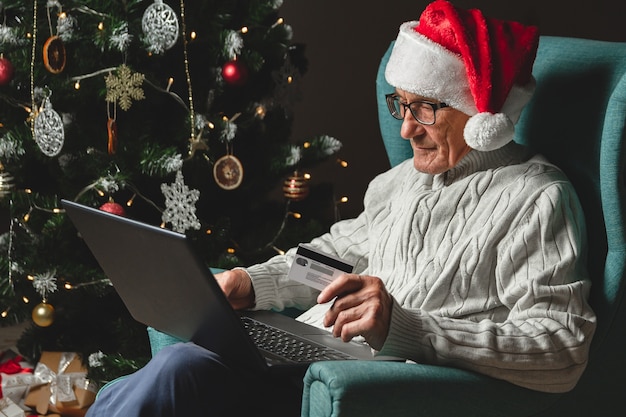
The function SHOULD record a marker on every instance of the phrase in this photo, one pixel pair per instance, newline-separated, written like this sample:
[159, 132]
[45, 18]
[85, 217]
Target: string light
[208, 231]
[77, 85]
[32, 68]
[25, 300]
[344, 164]
[279, 251]
[193, 35]
[131, 200]
[101, 26]
[244, 30]
[4, 314]
[230, 250]
[306, 176]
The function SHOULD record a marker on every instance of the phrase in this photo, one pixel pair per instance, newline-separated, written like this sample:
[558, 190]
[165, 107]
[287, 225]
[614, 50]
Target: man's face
[438, 147]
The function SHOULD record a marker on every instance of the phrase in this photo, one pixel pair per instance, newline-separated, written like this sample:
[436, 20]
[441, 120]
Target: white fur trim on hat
[423, 67]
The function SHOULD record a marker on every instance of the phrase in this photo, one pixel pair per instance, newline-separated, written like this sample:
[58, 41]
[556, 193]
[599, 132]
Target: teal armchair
[577, 119]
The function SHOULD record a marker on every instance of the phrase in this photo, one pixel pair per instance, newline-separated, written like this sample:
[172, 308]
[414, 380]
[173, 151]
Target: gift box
[60, 386]
[9, 409]
[16, 376]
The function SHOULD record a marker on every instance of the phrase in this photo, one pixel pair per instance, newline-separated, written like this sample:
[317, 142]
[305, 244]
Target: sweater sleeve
[542, 343]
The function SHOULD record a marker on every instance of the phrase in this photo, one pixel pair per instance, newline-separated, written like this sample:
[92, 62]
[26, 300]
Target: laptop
[165, 285]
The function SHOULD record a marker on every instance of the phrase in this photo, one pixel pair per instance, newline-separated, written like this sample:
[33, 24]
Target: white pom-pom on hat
[488, 131]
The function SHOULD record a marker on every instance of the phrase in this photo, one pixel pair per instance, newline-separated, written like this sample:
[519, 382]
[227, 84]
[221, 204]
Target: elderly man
[471, 254]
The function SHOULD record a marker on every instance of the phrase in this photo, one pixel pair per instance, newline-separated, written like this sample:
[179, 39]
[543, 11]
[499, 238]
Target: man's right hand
[237, 287]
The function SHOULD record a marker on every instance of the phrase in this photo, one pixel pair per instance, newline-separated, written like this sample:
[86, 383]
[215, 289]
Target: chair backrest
[577, 120]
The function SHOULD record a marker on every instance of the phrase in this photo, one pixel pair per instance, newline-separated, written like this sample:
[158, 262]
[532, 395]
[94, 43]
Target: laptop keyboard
[287, 345]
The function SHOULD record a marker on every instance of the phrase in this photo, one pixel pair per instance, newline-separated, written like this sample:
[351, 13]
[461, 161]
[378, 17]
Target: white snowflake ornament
[180, 205]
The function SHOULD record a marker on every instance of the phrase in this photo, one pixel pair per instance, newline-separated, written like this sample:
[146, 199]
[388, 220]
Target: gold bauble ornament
[296, 187]
[43, 314]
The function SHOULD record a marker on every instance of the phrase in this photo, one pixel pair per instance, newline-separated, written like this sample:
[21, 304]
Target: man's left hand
[362, 307]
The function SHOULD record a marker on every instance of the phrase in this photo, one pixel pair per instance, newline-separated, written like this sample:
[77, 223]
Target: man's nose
[410, 127]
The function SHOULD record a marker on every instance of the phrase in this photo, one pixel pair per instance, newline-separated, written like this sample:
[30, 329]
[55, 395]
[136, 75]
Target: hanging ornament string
[192, 117]
[33, 109]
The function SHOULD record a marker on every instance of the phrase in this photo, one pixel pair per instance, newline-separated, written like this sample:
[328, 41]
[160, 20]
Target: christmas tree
[173, 113]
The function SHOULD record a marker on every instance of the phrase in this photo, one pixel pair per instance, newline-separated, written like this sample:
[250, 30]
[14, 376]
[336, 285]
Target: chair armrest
[394, 389]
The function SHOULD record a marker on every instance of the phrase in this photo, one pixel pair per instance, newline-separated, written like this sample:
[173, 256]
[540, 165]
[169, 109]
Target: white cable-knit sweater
[486, 265]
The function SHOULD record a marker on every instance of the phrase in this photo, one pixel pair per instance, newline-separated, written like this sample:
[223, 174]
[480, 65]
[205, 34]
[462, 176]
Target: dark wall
[345, 40]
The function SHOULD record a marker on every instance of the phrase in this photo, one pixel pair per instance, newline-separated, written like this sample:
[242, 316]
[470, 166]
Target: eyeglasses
[423, 111]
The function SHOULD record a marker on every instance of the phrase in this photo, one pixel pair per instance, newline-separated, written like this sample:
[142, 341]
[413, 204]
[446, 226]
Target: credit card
[316, 269]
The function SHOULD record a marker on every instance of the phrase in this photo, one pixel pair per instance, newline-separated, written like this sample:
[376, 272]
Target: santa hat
[478, 65]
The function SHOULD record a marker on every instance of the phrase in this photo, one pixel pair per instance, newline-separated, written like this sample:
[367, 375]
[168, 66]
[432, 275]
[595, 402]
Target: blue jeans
[185, 380]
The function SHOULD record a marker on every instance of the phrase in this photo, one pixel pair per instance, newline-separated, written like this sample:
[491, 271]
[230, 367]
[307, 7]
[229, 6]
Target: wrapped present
[16, 376]
[61, 386]
[9, 409]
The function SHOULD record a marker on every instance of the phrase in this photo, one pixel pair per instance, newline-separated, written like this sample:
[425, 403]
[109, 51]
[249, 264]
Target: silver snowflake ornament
[180, 205]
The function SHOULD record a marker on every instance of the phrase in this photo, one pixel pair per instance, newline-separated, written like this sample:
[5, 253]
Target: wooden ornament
[228, 172]
[112, 134]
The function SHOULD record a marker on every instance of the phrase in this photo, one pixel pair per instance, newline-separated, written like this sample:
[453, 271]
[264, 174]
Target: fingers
[237, 287]
[343, 284]
[362, 307]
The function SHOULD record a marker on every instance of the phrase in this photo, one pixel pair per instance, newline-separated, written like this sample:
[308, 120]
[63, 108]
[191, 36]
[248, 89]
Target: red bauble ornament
[6, 71]
[235, 73]
[113, 208]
